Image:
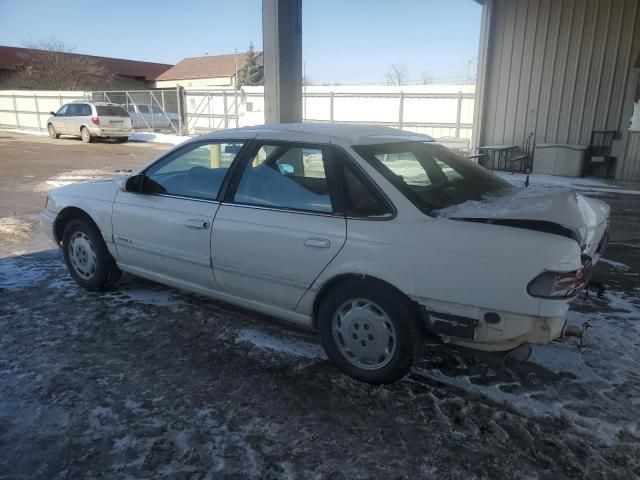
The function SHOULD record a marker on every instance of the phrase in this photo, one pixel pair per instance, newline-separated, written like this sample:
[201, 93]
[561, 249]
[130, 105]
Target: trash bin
[559, 159]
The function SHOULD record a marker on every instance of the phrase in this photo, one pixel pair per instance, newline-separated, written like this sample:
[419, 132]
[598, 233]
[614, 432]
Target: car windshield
[431, 175]
[111, 111]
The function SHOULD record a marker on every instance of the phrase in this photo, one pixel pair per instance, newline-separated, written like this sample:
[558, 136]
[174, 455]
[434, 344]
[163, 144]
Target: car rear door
[166, 228]
[279, 226]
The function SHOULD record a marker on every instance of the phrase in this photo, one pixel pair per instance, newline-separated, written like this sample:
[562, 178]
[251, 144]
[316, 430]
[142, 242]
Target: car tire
[52, 132]
[122, 139]
[85, 135]
[370, 331]
[86, 255]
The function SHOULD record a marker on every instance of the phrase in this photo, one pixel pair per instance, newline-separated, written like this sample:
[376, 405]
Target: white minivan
[89, 120]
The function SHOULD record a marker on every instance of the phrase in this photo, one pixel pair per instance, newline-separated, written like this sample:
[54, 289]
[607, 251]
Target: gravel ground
[145, 381]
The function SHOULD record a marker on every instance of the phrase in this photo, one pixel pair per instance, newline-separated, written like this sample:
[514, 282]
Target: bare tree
[50, 65]
[397, 74]
[425, 78]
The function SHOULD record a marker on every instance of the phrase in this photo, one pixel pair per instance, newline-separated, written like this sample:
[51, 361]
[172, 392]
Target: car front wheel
[52, 131]
[86, 255]
[369, 330]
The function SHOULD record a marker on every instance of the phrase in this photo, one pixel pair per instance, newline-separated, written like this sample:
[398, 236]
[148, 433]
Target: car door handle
[317, 243]
[203, 224]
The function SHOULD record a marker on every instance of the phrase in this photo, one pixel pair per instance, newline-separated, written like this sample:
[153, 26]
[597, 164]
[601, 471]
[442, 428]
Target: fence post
[35, 99]
[180, 132]
[459, 114]
[224, 106]
[15, 109]
[235, 101]
[162, 98]
[331, 107]
[209, 108]
[152, 115]
[401, 110]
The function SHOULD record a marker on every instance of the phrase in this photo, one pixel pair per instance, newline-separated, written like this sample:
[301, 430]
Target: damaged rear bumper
[489, 330]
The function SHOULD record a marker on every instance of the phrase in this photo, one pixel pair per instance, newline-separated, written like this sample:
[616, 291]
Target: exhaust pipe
[579, 332]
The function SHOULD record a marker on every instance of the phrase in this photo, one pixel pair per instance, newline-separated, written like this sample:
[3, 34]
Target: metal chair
[600, 152]
[524, 156]
[479, 157]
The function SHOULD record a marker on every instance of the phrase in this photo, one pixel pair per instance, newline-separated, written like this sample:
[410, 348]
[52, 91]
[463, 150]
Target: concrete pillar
[282, 44]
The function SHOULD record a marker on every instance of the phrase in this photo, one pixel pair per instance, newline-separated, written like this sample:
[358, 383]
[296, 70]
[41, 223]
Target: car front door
[165, 229]
[72, 119]
[59, 120]
[279, 226]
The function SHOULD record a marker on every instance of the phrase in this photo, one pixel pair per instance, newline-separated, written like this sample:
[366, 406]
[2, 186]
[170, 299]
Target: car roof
[351, 133]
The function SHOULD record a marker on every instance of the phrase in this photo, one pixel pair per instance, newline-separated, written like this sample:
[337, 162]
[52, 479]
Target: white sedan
[370, 235]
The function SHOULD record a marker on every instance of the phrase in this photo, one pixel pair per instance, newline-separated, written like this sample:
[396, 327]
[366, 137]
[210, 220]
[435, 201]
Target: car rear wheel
[122, 139]
[86, 135]
[86, 255]
[52, 131]
[369, 330]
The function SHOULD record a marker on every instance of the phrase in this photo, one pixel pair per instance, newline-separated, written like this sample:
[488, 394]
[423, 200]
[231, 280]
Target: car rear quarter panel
[457, 262]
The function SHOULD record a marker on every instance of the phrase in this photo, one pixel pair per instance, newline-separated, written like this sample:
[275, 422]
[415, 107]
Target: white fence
[442, 111]
[29, 110]
[437, 110]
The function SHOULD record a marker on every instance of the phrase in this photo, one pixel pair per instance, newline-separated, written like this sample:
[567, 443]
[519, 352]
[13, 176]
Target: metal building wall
[559, 68]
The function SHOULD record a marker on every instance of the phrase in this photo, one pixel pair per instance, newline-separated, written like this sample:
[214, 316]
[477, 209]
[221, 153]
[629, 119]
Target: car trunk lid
[563, 212]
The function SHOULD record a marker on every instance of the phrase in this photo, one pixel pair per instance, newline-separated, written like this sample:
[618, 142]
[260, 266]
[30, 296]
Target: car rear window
[111, 111]
[432, 176]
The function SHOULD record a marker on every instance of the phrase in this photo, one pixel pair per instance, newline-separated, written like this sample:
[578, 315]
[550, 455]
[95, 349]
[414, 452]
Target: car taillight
[561, 284]
[95, 120]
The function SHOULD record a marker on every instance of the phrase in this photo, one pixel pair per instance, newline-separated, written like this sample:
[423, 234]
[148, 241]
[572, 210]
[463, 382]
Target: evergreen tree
[251, 73]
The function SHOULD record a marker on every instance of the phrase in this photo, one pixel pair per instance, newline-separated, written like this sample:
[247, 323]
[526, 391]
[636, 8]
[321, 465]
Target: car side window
[131, 109]
[288, 177]
[362, 199]
[85, 110]
[62, 110]
[143, 109]
[196, 171]
[72, 110]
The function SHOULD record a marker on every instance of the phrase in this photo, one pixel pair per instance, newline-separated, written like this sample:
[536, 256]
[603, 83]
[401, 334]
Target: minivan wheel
[52, 131]
[86, 136]
[369, 330]
[86, 255]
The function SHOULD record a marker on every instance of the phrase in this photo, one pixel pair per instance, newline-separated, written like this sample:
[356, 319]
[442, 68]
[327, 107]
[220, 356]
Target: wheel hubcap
[364, 334]
[82, 255]
[85, 134]
[52, 130]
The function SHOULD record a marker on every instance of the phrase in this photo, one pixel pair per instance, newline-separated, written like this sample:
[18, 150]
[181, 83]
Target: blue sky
[348, 41]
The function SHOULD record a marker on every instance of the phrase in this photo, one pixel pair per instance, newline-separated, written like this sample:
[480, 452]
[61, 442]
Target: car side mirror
[53, 113]
[133, 184]
[286, 169]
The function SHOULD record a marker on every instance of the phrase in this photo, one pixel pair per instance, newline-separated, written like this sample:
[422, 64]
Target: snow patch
[73, 176]
[589, 184]
[25, 132]
[158, 138]
[267, 342]
[14, 230]
[614, 264]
